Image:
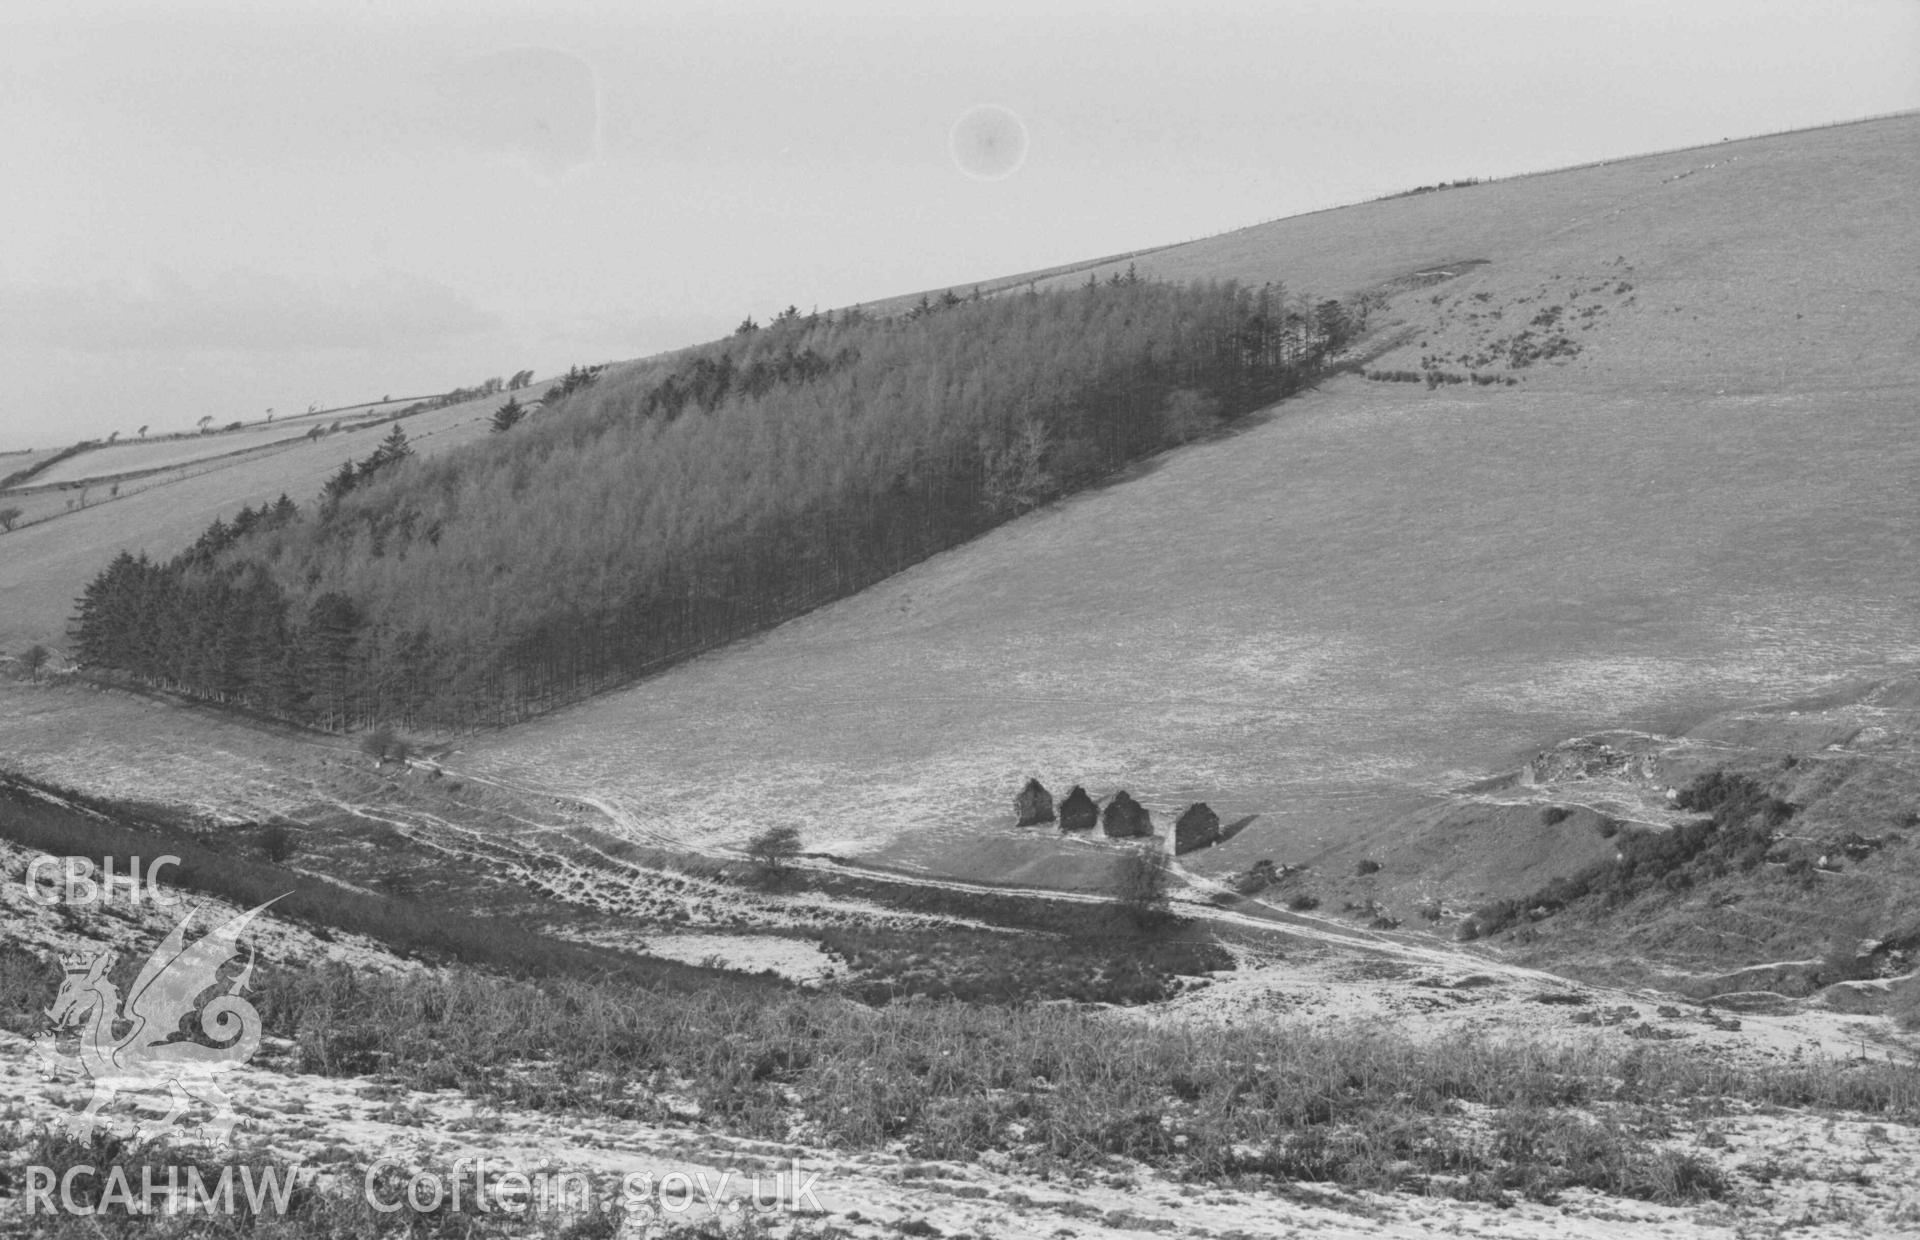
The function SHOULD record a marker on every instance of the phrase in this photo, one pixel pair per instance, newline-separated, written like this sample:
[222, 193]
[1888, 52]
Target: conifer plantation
[641, 516]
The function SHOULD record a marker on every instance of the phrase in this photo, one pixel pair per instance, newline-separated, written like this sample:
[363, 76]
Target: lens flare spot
[989, 143]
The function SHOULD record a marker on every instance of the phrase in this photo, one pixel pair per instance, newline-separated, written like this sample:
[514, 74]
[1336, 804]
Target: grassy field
[133, 452]
[1766, 264]
[140, 456]
[47, 562]
[1367, 598]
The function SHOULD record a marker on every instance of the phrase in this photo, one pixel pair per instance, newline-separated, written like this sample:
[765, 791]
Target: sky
[225, 208]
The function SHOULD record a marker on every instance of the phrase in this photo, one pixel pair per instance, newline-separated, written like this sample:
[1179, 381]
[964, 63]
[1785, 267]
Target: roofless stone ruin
[1198, 828]
[1078, 812]
[1125, 818]
[1034, 804]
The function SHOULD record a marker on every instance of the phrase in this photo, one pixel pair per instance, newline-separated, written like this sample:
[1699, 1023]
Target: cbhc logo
[71, 880]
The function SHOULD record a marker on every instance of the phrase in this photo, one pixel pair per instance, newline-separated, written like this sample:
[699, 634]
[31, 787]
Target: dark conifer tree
[395, 448]
[507, 416]
[331, 632]
[342, 482]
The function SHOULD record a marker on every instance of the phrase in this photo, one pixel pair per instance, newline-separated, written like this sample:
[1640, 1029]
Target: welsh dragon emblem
[151, 1054]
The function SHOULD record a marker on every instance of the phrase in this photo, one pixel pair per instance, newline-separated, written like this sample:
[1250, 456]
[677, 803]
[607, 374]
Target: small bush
[278, 843]
[1141, 882]
[1369, 866]
[387, 838]
[27, 987]
[1304, 903]
[1906, 1004]
[1842, 962]
[376, 742]
[773, 851]
[1554, 814]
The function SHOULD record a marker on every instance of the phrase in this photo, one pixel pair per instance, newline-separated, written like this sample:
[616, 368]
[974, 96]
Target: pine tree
[331, 632]
[343, 481]
[395, 448]
[507, 415]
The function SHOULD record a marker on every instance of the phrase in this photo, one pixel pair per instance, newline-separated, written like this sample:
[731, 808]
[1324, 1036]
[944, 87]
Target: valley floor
[1789, 1170]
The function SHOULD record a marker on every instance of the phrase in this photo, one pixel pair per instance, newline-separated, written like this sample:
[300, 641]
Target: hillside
[1557, 657]
[1553, 220]
[1381, 590]
[156, 496]
[1767, 265]
[691, 502]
